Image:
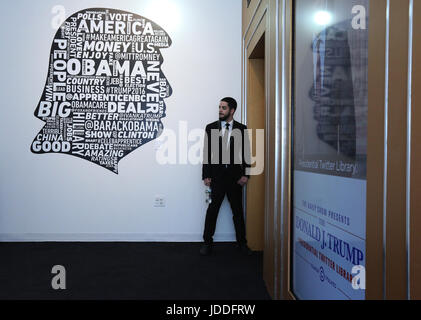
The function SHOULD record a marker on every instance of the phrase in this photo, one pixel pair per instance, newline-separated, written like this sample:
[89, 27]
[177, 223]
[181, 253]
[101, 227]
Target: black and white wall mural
[105, 89]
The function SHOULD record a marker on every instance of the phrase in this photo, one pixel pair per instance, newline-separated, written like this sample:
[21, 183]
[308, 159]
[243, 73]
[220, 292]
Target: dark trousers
[220, 186]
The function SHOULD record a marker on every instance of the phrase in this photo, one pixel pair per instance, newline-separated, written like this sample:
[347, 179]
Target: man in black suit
[226, 157]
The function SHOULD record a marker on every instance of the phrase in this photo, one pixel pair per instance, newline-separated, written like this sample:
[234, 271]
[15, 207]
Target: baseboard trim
[112, 237]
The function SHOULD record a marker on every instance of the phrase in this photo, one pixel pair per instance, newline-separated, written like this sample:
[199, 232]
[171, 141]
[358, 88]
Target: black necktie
[225, 136]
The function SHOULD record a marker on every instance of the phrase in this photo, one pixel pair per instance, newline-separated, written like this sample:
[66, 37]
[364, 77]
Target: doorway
[256, 115]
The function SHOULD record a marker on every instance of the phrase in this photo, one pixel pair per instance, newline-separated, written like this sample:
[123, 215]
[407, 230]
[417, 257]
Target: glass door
[329, 149]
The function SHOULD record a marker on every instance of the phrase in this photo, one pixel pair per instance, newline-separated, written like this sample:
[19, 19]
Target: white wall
[61, 197]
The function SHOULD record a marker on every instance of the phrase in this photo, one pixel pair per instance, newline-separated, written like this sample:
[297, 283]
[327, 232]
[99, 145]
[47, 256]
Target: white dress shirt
[223, 128]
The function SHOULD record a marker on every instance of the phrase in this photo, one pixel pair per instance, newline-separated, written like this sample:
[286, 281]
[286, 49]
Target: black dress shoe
[245, 249]
[206, 249]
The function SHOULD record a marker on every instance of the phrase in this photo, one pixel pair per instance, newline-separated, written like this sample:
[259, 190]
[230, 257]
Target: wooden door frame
[392, 184]
[263, 22]
[414, 258]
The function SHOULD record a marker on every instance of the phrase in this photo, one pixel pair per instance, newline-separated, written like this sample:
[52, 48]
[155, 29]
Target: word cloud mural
[105, 89]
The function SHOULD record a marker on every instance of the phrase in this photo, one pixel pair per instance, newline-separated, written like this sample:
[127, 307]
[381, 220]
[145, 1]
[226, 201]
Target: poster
[330, 149]
[105, 88]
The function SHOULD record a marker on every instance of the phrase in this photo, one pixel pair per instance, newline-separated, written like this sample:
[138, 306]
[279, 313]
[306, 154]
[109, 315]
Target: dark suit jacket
[239, 150]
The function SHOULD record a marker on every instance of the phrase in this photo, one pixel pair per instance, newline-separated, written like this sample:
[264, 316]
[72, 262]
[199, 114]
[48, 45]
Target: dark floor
[130, 270]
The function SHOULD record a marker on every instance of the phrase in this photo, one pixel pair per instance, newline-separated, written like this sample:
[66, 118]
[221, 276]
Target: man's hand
[207, 182]
[243, 181]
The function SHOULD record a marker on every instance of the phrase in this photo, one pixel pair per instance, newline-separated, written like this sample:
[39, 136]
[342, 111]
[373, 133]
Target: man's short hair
[232, 104]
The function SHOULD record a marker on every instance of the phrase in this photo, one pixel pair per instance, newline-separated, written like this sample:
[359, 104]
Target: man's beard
[224, 118]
